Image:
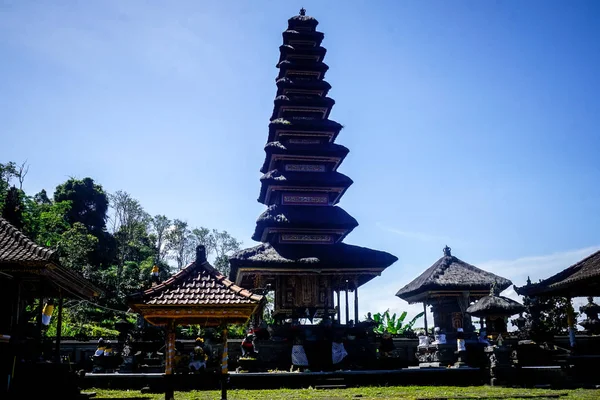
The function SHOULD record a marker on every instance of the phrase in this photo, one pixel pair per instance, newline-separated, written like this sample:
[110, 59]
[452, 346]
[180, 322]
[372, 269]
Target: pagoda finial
[528, 281]
[447, 251]
[302, 11]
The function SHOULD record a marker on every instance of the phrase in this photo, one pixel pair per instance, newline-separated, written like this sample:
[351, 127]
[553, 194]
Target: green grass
[364, 393]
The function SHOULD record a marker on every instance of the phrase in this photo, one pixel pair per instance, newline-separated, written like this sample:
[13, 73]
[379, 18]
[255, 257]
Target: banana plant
[393, 324]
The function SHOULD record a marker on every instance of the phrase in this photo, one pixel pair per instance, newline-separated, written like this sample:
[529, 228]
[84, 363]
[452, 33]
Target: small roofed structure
[449, 286]
[495, 310]
[198, 294]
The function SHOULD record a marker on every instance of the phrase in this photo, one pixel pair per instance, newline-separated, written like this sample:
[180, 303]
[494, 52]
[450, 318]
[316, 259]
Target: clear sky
[472, 124]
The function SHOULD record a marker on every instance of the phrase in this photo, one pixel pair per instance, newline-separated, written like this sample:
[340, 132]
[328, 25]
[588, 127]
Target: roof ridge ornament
[447, 251]
[302, 11]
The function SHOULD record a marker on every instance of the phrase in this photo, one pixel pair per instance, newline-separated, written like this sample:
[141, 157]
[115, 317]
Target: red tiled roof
[17, 252]
[197, 284]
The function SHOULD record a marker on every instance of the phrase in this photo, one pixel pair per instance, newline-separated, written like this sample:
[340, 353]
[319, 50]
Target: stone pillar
[356, 305]
[571, 322]
[425, 316]
[339, 307]
[347, 307]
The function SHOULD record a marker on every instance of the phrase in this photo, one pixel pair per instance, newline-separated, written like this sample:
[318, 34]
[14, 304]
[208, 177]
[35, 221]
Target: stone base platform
[273, 380]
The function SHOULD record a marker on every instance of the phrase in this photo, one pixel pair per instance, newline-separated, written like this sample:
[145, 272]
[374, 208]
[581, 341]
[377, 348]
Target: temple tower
[302, 255]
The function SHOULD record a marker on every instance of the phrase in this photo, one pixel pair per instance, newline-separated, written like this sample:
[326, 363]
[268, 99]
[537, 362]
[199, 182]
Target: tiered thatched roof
[336, 257]
[453, 275]
[287, 50]
[293, 179]
[579, 280]
[315, 37]
[332, 150]
[303, 217]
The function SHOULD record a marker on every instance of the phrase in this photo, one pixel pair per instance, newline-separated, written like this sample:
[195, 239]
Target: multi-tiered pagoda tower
[302, 255]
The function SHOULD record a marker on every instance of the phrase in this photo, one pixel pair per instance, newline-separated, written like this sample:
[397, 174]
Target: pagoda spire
[302, 187]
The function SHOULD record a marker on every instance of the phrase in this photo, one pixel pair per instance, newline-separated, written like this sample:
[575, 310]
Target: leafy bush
[393, 325]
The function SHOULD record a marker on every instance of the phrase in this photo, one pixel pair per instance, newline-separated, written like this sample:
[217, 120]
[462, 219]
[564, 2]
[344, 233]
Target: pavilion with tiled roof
[198, 294]
[30, 273]
[449, 286]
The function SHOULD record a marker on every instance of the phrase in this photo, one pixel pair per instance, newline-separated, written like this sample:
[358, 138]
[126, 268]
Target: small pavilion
[581, 279]
[29, 274]
[198, 294]
[495, 310]
[449, 286]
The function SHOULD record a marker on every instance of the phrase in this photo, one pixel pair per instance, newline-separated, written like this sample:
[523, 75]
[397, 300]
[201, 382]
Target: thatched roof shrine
[450, 274]
[22, 259]
[495, 305]
[581, 279]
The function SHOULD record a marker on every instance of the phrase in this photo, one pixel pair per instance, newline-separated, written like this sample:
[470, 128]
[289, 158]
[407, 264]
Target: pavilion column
[169, 360]
[425, 316]
[224, 366]
[356, 305]
[59, 325]
[571, 322]
[339, 307]
[347, 307]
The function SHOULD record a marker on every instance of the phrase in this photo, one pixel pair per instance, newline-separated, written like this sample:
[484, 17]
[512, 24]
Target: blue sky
[470, 123]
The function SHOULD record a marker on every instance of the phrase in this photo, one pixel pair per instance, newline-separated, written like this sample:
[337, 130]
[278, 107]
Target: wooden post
[347, 307]
[356, 305]
[224, 366]
[339, 307]
[571, 322]
[169, 360]
[59, 325]
[425, 316]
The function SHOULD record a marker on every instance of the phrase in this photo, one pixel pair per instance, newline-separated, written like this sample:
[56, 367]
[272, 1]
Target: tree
[159, 225]
[225, 244]
[13, 208]
[180, 243]
[89, 203]
[8, 171]
[21, 172]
